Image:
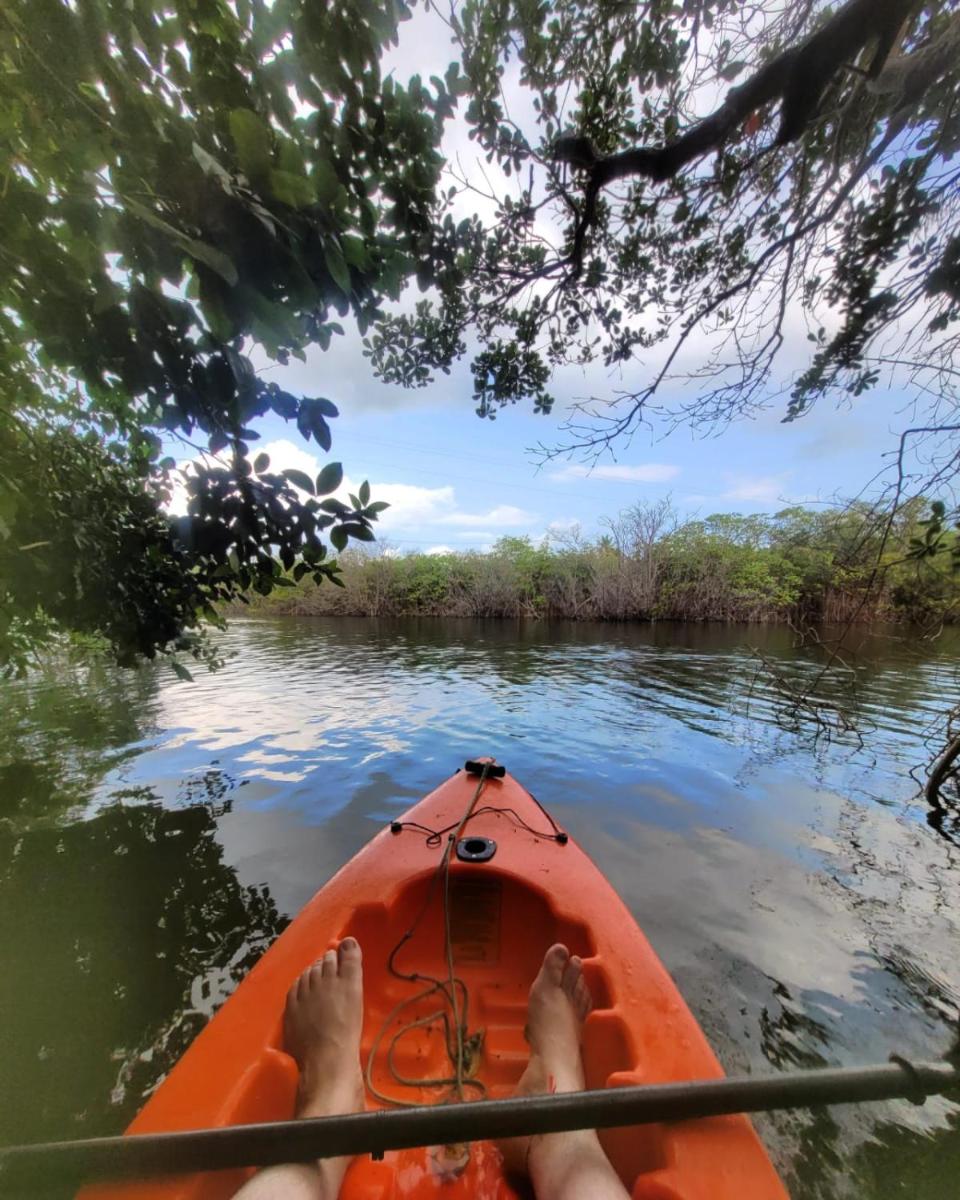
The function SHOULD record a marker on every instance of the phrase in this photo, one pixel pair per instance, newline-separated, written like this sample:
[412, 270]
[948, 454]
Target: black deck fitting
[493, 770]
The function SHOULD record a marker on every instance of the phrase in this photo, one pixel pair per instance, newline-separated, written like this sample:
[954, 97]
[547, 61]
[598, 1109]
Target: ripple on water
[156, 832]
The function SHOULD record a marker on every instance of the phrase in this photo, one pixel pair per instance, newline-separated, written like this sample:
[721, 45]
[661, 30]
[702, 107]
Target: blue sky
[457, 481]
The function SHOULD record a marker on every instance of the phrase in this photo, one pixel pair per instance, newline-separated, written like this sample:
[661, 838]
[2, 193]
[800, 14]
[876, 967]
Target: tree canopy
[801, 565]
[689, 182]
[186, 181]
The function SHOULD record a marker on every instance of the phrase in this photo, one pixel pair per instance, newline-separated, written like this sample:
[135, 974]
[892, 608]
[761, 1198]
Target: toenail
[349, 943]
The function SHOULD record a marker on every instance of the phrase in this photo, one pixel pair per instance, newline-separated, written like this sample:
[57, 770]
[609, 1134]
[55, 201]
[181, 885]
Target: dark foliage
[179, 183]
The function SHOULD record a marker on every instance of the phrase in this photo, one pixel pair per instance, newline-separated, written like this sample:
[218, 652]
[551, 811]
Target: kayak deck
[537, 888]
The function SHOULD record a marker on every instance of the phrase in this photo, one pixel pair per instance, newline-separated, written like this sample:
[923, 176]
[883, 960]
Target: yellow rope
[449, 988]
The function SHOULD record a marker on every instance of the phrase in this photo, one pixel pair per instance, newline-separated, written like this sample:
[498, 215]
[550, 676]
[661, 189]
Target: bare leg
[322, 1024]
[561, 1166]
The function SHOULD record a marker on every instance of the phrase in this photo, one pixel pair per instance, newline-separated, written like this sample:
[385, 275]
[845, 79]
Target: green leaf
[180, 671]
[252, 141]
[360, 532]
[299, 479]
[311, 422]
[261, 462]
[290, 189]
[338, 537]
[355, 252]
[200, 251]
[290, 157]
[329, 479]
[325, 181]
[274, 324]
[222, 325]
[210, 166]
[364, 493]
[375, 509]
[338, 269]
[337, 507]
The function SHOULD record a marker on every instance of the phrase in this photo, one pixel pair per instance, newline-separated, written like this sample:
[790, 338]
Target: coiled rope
[451, 989]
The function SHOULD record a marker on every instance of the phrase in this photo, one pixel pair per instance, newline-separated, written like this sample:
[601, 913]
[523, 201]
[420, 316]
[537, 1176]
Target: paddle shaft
[372, 1133]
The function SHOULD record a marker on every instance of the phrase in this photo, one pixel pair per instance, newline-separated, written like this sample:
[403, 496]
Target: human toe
[572, 974]
[555, 961]
[349, 958]
[582, 1000]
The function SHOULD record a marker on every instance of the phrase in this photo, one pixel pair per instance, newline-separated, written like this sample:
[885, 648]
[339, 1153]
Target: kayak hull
[536, 889]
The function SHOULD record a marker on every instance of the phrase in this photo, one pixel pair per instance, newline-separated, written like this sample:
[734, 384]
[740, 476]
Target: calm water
[156, 835]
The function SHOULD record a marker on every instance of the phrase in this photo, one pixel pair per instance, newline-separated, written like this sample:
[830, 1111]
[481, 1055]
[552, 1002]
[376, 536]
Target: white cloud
[760, 489]
[412, 508]
[439, 550]
[504, 515]
[285, 456]
[621, 472]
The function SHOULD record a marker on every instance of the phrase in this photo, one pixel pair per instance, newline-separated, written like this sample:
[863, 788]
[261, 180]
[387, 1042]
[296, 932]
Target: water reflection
[119, 936]
[62, 730]
[799, 894]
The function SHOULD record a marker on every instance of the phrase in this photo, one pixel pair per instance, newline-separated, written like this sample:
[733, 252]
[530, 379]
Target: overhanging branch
[798, 77]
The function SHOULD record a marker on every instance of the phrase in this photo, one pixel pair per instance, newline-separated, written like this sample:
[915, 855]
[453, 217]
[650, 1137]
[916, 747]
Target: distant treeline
[832, 565]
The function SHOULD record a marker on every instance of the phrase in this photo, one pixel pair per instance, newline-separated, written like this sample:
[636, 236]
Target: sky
[455, 481]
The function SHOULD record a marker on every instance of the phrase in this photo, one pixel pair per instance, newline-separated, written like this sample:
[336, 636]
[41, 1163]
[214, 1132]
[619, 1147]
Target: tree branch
[798, 76]
[940, 770]
[909, 75]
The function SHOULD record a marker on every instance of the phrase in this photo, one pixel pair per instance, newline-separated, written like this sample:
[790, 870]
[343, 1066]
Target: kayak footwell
[502, 914]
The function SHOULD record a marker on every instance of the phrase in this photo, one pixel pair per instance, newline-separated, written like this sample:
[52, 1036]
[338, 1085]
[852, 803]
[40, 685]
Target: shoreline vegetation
[836, 565]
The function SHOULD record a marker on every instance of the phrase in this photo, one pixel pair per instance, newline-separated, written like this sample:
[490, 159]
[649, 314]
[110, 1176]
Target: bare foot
[559, 1004]
[561, 1166]
[321, 1028]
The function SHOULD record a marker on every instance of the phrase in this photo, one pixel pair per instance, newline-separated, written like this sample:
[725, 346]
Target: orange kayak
[514, 883]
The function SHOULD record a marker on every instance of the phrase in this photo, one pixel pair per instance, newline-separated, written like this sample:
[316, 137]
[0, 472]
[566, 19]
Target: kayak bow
[474, 883]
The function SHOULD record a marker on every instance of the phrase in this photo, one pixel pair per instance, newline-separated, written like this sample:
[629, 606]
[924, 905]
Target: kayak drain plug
[476, 849]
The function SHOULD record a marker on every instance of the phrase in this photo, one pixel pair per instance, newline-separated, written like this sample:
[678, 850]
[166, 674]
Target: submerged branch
[943, 767]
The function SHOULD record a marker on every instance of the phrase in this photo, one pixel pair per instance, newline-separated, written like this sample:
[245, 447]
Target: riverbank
[799, 565]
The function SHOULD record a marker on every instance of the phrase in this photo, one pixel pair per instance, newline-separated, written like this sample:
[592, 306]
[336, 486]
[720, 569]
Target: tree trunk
[940, 770]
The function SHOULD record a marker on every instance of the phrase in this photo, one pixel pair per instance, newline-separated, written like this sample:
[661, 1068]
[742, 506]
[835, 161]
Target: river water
[155, 835]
